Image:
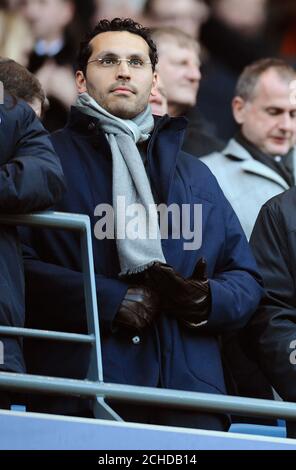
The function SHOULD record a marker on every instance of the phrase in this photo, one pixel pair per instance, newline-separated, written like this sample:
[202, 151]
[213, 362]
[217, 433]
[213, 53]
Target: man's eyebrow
[275, 109]
[114, 54]
[109, 53]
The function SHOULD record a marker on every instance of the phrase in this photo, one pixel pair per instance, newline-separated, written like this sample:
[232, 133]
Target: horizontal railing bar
[163, 397]
[46, 334]
[47, 219]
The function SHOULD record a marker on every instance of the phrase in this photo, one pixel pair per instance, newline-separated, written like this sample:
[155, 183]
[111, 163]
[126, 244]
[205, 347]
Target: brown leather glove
[187, 299]
[138, 309]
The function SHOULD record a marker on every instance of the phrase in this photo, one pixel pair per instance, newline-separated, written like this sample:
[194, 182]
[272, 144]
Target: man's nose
[193, 73]
[123, 70]
[287, 123]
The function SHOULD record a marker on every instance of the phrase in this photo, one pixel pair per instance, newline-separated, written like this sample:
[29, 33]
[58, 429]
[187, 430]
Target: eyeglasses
[110, 62]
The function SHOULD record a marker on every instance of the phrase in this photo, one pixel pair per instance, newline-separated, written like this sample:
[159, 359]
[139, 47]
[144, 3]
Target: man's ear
[80, 81]
[238, 109]
[154, 83]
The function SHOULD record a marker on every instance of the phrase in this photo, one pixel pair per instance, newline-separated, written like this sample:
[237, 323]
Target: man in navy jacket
[160, 325]
[31, 179]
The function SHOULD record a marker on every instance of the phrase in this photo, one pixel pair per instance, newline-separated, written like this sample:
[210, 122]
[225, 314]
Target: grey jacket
[246, 182]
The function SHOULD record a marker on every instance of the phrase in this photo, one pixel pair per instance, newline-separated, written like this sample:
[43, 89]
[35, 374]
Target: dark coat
[31, 179]
[200, 136]
[168, 355]
[272, 331]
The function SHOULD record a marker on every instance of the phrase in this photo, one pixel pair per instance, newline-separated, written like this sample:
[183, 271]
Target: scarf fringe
[138, 269]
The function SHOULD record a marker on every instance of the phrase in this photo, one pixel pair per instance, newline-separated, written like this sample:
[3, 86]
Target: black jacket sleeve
[31, 176]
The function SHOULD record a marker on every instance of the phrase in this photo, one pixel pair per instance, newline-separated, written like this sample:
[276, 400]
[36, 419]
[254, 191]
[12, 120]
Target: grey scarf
[136, 249]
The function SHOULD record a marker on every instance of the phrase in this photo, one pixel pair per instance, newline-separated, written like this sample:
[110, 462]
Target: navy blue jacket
[31, 179]
[168, 355]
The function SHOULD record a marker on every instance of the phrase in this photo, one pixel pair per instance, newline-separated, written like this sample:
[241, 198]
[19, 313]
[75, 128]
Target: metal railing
[94, 386]
[79, 223]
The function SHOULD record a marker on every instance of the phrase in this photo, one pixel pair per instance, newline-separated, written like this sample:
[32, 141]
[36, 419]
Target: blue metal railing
[81, 224]
[95, 386]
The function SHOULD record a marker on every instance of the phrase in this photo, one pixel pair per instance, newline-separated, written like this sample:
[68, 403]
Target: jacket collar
[163, 148]
[236, 151]
[81, 123]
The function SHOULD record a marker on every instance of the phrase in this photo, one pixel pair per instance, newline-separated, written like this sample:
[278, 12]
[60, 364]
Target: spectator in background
[186, 15]
[247, 17]
[31, 179]
[235, 32]
[233, 37]
[158, 99]
[54, 54]
[179, 69]
[21, 83]
[259, 163]
[117, 8]
[16, 39]
[271, 333]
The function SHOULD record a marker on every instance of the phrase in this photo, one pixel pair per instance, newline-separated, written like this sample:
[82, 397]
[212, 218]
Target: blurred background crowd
[44, 35]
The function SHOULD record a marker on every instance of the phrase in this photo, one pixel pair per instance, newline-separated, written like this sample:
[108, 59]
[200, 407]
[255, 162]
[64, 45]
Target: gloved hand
[138, 309]
[188, 299]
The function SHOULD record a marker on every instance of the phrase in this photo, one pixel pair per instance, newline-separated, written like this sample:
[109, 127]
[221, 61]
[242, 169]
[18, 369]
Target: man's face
[268, 120]
[122, 90]
[179, 70]
[158, 99]
[48, 18]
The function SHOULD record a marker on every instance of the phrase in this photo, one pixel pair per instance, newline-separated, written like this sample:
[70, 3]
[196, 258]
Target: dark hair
[20, 83]
[117, 24]
[249, 77]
